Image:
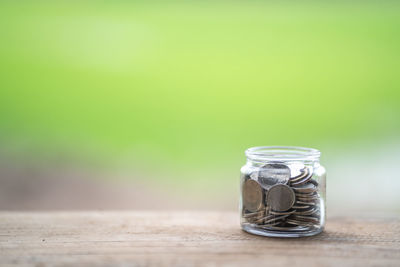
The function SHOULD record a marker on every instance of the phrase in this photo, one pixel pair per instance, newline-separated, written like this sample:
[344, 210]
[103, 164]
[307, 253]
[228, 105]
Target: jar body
[282, 196]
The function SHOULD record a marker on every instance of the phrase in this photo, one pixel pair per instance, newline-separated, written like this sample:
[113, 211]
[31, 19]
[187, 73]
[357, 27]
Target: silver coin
[314, 182]
[305, 218]
[272, 217]
[264, 226]
[305, 188]
[272, 174]
[269, 216]
[258, 218]
[280, 197]
[311, 194]
[299, 223]
[259, 221]
[252, 196]
[298, 202]
[306, 212]
[305, 174]
[282, 212]
[309, 197]
[314, 199]
[301, 207]
[262, 221]
[305, 203]
[277, 218]
[252, 214]
[307, 177]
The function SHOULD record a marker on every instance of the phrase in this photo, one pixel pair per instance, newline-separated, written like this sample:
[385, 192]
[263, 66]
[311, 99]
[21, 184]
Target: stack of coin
[274, 200]
[307, 199]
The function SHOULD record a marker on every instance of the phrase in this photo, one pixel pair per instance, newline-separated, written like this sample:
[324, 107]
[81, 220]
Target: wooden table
[187, 239]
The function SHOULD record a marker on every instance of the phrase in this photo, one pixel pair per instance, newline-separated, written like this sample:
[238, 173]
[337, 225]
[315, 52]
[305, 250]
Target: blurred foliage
[193, 81]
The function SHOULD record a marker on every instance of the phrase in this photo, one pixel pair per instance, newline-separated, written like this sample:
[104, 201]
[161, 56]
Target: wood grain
[187, 239]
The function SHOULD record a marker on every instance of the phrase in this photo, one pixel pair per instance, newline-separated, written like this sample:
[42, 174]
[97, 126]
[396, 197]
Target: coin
[282, 212]
[256, 217]
[289, 203]
[305, 188]
[252, 214]
[276, 218]
[314, 182]
[265, 226]
[307, 177]
[305, 174]
[305, 218]
[311, 198]
[270, 219]
[300, 207]
[311, 194]
[273, 173]
[298, 202]
[280, 197]
[306, 212]
[310, 201]
[252, 196]
[299, 223]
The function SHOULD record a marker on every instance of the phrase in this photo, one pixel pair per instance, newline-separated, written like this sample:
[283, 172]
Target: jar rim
[282, 153]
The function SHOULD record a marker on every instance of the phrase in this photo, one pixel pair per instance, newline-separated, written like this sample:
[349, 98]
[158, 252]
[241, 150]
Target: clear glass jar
[282, 192]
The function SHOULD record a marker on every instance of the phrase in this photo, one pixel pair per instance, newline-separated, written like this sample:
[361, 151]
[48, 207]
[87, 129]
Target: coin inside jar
[252, 195]
[282, 192]
[273, 173]
[305, 188]
[304, 177]
[280, 197]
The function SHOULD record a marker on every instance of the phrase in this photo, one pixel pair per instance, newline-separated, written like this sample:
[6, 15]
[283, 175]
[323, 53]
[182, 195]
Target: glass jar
[282, 192]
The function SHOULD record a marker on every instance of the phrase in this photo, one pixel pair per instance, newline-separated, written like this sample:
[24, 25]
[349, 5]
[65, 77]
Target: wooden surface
[187, 239]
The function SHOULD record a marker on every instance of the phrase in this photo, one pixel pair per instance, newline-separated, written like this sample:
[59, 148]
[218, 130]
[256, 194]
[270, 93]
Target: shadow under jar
[282, 192]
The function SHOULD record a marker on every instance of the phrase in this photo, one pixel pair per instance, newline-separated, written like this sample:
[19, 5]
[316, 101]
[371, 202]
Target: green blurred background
[155, 102]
